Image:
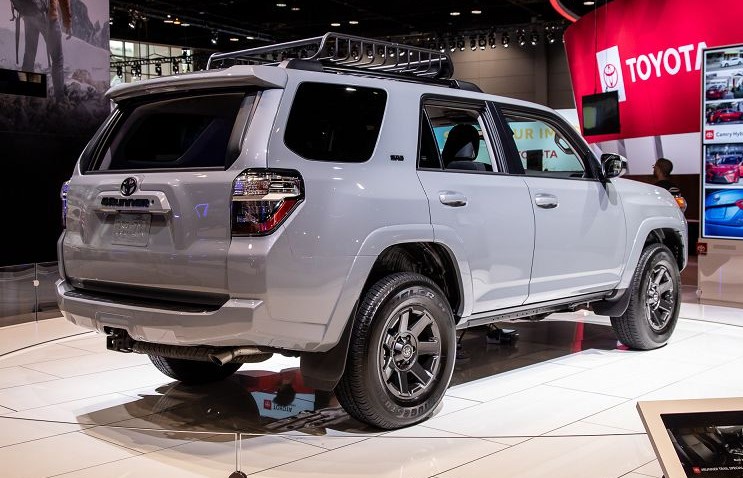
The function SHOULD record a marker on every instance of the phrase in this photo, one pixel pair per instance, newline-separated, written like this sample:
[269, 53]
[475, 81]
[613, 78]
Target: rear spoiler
[239, 75]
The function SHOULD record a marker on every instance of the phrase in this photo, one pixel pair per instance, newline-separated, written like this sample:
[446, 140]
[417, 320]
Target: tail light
[63, 197]
[739, 203]
[262, 199]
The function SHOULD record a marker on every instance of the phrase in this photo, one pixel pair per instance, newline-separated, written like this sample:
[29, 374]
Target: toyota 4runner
[342, 200]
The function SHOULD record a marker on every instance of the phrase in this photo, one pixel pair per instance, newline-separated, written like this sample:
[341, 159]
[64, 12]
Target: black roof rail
[348, 53]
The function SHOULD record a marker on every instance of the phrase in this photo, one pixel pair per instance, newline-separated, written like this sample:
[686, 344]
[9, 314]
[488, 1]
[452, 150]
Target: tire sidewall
[405, 295]
[660, 255]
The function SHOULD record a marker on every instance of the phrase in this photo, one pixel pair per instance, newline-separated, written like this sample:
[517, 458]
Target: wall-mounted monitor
[600, 114]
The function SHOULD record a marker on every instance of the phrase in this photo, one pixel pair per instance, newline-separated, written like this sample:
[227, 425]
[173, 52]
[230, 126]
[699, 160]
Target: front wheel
[654, 304]
[401, 355]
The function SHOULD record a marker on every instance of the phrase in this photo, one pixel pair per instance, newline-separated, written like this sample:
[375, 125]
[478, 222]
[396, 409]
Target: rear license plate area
[131, 229]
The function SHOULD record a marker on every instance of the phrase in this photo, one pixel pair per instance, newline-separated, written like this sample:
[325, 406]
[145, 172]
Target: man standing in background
[662, 173]
[42, 18]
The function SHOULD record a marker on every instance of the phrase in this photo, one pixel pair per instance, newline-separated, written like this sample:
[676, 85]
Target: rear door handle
[452, 198]
[545, 201]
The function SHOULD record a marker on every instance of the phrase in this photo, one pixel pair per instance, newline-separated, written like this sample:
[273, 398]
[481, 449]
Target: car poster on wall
[722, 140]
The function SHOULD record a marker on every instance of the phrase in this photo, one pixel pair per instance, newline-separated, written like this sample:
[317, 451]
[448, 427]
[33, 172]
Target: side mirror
[613, 165]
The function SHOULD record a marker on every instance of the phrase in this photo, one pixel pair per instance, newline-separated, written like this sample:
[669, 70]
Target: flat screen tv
[601, 114]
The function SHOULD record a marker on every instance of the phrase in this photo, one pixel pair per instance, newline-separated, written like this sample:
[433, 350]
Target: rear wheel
[654, 304]
[193, 372]
[402, 353]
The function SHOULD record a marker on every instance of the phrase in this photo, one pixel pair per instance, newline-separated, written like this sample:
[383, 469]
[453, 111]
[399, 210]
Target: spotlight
[534, 38]
[215, 37]
[473, 44]
[505, 40]
[491, 40]
[460, 43]
[369, 53]
[550, 37]
[176, 67]
[521, 38]
[452, 44]
[442, 46]
[482, 42]
[158, 69]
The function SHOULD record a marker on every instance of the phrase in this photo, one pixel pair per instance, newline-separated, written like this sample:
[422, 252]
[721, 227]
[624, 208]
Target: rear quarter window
[338, 123]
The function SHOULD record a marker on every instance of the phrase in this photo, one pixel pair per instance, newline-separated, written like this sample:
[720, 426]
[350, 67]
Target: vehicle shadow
[259, 402]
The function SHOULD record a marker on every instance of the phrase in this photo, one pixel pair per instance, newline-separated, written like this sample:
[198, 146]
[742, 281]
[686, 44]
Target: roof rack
[338, 51]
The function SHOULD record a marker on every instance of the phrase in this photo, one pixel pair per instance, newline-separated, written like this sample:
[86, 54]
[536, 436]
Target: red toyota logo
[709, 134]
[611, 78]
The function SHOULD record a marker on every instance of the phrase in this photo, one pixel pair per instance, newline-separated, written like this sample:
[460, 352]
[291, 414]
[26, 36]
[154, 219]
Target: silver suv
[342, 200]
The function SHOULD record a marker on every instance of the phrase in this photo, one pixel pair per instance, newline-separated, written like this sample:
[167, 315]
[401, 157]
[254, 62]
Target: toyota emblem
[129, 186]
[611, 78]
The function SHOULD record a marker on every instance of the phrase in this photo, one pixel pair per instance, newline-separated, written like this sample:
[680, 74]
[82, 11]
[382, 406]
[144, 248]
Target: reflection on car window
[542, 149]
[456, 136]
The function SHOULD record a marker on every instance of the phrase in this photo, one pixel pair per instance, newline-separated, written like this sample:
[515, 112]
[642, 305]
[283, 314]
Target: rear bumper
[236, 322]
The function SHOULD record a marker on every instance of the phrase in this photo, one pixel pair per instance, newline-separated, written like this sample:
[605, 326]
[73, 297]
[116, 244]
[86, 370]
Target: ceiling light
[250, 38]
[281, 5]
[185, 24]
[168, 20]
[335, 24]
[454, 14]
[295, 9]
[476, 12]
[234, 39]
[353, 22]
[176, 22]
[588, 3]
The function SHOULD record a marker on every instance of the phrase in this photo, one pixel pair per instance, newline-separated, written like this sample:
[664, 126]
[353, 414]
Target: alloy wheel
[410, 353]
[660, 300]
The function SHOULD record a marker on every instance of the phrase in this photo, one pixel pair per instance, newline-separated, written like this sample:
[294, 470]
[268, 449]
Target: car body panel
[580, 243]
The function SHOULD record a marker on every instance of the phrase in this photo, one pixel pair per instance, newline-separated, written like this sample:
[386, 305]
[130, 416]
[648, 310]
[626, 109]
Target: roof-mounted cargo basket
[347, 53]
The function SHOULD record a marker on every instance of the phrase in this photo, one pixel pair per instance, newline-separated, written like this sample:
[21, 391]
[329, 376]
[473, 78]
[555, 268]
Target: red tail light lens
[739, 203]
[262, 199]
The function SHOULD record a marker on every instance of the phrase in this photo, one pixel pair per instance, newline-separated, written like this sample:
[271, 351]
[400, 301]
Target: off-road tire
[403, 327]
[645, 325]
[193, 372]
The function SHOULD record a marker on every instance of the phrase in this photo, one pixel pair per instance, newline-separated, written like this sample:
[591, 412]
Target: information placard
[696, 438]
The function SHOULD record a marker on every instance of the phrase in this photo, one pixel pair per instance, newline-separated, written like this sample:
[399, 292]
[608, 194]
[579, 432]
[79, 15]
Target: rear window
[335, 122]
[175, 133]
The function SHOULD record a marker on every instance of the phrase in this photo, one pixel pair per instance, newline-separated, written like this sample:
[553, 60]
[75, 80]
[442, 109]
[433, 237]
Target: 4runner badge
[128, 186]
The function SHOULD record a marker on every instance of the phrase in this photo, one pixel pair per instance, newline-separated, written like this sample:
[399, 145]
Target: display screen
[601, 113]
[722, 138]
[708, 444]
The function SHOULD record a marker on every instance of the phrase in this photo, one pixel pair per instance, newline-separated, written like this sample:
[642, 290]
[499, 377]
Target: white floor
[70, 408]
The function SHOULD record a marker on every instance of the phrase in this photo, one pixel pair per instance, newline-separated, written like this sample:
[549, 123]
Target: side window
[335, 122]
[543, 150]
[455, 138]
